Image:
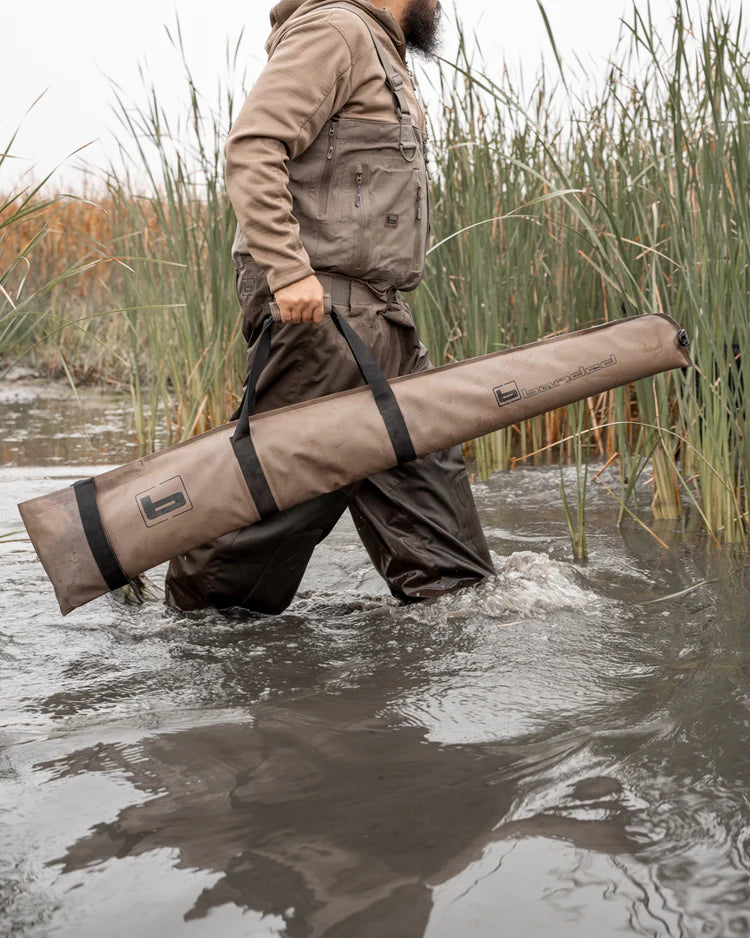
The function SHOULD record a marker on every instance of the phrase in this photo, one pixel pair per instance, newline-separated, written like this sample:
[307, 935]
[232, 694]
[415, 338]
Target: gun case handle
[373, 377]
[276, 312]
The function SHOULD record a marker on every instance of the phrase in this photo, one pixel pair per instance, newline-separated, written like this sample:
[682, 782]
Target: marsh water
[562, 751]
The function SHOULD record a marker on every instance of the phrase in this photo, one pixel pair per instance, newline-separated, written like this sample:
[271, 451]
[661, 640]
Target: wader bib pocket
[93, 536]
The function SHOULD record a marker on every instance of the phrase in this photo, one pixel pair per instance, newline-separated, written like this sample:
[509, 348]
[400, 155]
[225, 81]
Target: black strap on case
[105, 557]
[242, 442]
[381, 390]
[385, 399]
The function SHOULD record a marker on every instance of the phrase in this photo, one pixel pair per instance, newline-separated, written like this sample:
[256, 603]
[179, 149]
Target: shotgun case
[93, 536]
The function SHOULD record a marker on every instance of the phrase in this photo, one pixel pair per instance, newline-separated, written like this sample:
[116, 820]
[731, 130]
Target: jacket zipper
[328, 172]
[361, 223]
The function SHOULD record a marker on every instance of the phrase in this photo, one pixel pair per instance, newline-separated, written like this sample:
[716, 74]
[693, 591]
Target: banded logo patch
[391, 220]
[163, 501]
[507, 393]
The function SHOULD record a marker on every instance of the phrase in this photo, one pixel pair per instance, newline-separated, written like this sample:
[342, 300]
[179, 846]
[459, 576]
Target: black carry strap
[242, 442]
[105, 557]
[393, 80]
[385, 399]
[381, 390]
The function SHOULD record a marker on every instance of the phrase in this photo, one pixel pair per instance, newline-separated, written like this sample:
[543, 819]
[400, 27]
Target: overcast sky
[70, 50]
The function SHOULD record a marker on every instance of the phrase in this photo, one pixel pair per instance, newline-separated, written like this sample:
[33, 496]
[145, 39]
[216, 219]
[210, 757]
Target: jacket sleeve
[305, 82]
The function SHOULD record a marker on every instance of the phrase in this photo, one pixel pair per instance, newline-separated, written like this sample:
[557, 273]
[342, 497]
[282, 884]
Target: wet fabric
[418, 522]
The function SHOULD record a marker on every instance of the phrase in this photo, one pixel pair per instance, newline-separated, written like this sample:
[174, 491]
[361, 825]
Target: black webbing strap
[242, 441]
[381, 390]
[105, 557]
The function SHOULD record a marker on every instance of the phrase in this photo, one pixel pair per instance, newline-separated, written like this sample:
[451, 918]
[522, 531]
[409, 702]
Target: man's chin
[430, 53]
[422, 28]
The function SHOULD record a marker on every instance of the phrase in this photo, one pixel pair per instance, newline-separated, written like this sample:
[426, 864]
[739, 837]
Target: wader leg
[420, 526]
[258, 567]
[418, 522]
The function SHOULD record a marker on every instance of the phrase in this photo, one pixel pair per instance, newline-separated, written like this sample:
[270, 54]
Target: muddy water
[560, 752]
[43, 424]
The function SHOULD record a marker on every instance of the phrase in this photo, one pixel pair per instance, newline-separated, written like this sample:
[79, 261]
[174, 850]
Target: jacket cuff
[285, 276]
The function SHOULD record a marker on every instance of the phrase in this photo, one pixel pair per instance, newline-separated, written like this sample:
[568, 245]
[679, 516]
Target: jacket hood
[287, 10]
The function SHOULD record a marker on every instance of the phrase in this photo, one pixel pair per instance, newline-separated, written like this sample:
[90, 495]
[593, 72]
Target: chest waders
[359, 190]
[92, 536]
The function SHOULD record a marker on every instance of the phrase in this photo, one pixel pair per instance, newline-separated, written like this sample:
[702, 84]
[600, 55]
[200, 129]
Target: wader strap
[242, 441]
[381, 390]
[105, 557]
[395, 83]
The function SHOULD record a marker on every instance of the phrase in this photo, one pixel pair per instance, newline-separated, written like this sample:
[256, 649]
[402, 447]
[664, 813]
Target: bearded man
[326, 173]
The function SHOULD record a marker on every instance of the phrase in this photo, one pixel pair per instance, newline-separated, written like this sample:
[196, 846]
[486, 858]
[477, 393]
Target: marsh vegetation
[552, 209]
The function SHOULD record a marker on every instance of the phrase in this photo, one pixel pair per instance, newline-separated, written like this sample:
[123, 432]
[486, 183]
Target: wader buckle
[407, 140]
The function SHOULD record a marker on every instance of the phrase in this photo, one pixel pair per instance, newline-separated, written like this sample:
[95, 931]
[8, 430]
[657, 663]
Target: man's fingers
[291, 312]
[301, 301]
[310, 311]
[313, 312]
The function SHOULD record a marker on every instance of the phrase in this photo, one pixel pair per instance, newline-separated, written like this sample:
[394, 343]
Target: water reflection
[340, 809]
[331, 808]
[560, 753]
[44, 423]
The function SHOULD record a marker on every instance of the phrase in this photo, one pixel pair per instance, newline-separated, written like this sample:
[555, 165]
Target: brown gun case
[92, 536]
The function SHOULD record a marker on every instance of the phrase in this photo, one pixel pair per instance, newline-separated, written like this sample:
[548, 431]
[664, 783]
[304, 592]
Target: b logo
[163, 501]
[507, 393]
[156, 509]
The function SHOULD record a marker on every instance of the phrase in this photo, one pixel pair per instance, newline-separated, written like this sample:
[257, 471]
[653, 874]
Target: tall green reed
[575, 517]
[183, 326]
[24, 211]
[551, 211]
[629, 198]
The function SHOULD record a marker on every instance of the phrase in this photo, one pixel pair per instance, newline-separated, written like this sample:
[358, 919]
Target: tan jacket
[316, 166]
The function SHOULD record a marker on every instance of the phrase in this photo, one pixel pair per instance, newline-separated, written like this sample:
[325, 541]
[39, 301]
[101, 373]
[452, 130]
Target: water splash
[527, 585]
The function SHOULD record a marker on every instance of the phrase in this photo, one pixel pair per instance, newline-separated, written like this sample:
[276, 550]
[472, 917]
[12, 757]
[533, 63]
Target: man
[326, 173]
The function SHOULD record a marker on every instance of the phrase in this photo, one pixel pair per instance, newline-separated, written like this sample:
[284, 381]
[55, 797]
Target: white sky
[70, 49]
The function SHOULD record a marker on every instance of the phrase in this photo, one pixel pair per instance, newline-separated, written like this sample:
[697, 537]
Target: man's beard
[421, 26]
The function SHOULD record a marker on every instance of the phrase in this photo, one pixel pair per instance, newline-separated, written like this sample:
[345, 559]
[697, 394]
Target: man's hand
[301, 301]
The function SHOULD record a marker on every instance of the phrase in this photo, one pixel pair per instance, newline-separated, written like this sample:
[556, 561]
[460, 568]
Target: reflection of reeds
[548, 215]
[576, 520]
